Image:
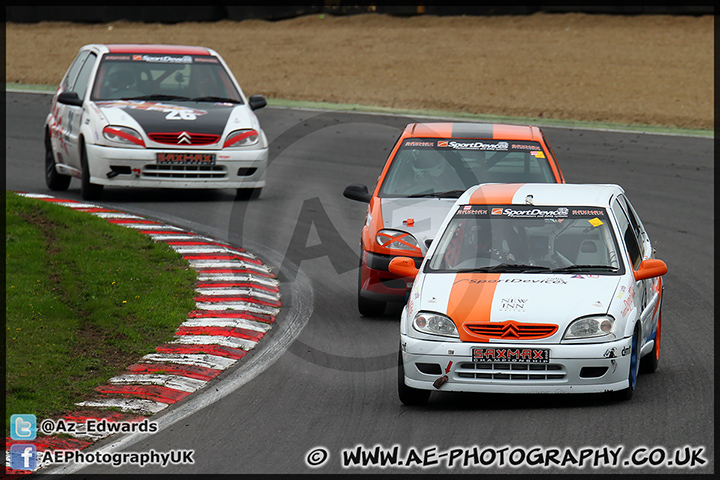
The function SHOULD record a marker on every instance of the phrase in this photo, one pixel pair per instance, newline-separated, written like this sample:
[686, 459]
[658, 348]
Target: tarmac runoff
[237, 301]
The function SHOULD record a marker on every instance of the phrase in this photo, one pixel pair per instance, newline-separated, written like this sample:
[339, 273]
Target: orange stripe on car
[497, 194]
[515, 132]
[471, 299]
[658, 290]
[432, 130]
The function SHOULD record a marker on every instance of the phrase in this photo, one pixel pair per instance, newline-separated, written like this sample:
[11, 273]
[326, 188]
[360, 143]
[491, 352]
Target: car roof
[498, 131]
[541, 194]
[148, 48]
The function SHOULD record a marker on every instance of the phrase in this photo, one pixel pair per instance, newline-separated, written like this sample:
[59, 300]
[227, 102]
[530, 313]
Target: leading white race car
[532, 288]
[164, 116]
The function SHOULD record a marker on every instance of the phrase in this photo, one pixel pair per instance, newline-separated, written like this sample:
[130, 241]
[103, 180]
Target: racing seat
[590, 254]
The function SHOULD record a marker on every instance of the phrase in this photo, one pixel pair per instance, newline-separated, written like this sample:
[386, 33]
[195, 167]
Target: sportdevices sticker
[594, 215]
[471, 144]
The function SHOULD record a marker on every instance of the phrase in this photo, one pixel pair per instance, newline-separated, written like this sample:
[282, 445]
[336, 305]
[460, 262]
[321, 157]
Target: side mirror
[256, 102]
[650, 268]
[70, 98]
[403, 267]
[357, 192]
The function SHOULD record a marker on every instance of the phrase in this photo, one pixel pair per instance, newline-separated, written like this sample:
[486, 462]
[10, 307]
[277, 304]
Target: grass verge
[84, 299]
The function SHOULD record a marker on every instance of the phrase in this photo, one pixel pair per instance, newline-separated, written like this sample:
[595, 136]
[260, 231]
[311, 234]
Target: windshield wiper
[583, 268]
[509, 268]
[215, 99]
[157, 96]
[447, 194]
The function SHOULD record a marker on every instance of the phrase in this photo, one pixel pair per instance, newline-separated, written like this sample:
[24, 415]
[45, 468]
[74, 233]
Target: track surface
[335, 385]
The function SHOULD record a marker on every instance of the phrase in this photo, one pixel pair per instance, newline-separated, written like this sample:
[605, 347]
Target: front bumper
[133, 167]
[576, 368]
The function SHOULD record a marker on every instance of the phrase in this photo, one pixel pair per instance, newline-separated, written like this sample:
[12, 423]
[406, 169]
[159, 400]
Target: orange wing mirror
[403, 266]
[650, 268]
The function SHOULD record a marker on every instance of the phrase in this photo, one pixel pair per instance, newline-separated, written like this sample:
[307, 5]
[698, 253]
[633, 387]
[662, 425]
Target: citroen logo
[184, 137]
[510, 330]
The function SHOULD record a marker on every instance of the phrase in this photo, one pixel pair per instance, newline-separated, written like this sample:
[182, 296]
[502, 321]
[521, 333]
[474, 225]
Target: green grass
[84, 299]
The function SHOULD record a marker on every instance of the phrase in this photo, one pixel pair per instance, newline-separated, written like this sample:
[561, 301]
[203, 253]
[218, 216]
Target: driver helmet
[426, 165]
[122, 79]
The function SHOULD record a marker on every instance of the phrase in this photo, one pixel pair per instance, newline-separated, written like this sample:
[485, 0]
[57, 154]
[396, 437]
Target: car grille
[184, 138]
[511, 330]
[510, 371]
[184, 171]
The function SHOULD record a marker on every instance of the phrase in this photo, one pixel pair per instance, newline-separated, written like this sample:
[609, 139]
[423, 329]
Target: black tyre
[247, 193]
[367, 306]
[408, 395]
[370, 308]
[53, 179]
[88, 190]
[649, 363]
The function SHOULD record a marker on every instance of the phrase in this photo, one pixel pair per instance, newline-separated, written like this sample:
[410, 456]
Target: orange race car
[431, 165]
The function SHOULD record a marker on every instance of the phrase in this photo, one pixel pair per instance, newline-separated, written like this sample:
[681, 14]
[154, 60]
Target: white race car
[163, 116]
[532, 288]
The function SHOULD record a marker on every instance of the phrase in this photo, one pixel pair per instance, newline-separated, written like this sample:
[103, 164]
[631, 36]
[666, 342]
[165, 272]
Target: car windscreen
[162, 77]
[527, 239]
[431, 166]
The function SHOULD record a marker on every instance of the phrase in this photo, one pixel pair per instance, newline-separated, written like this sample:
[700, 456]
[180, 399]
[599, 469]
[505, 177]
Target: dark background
[213, 13]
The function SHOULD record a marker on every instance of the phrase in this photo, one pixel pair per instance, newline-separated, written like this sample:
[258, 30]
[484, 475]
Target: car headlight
[397, 240]
[242, 138]
[596, 328]
[124, 136]
[434, 324]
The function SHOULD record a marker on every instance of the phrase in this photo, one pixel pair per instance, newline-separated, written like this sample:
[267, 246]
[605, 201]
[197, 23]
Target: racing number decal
[180, 115]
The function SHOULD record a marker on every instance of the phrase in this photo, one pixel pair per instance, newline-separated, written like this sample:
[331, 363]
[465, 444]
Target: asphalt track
[326, 377]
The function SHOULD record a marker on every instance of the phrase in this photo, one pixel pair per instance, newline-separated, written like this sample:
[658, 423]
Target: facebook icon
[23, 456]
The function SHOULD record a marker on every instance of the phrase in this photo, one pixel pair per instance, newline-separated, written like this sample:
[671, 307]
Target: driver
[485, 246]
[430, 169]
[122, 79]
[121, 83]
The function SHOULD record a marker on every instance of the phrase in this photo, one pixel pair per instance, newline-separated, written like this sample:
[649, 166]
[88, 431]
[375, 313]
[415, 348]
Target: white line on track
[259, 294]
[134, 405]
[108, 215]
[176, 382]
[227, 322]
[233, 342]
[249, 307]
[196, 359]
[225, 277]
[200, 264]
